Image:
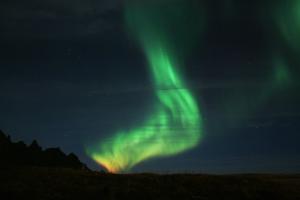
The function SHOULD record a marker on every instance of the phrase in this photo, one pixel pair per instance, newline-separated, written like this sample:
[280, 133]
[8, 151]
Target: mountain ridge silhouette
[20, 154]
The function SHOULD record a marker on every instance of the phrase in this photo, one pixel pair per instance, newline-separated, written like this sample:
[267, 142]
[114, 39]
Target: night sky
[71, 74]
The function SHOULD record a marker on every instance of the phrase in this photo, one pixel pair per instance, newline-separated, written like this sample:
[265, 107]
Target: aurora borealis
[155, 85]
[287, 17]
[176, 124]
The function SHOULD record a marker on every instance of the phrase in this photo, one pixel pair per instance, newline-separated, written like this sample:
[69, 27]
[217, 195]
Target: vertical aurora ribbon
[175, 124]
[286, 14]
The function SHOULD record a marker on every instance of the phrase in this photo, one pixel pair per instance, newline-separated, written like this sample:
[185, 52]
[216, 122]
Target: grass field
[49, 183]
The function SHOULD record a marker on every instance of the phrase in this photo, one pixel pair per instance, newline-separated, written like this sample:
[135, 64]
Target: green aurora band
[175, 124]
[287, 16]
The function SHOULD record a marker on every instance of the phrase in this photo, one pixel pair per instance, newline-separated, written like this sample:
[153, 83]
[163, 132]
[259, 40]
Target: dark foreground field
[46, 183]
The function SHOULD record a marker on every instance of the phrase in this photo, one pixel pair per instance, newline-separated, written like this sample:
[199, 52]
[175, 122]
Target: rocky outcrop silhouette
[18, 153]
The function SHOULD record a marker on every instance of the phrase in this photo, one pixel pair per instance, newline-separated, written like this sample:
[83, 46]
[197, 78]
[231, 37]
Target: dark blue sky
[70, 74]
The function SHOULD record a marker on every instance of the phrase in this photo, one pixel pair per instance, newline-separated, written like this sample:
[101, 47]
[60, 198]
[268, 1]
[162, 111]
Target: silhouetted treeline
[19, 154]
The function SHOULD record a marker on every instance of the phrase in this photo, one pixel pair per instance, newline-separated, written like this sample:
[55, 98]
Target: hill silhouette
[29, 172]
[20, 154]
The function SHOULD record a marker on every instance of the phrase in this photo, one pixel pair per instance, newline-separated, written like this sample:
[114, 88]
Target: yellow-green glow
[175, 124]
[281, 75]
